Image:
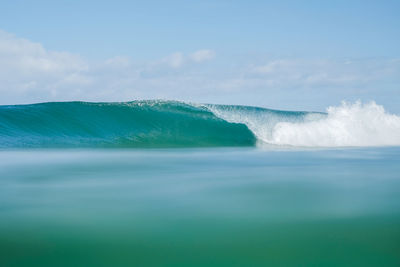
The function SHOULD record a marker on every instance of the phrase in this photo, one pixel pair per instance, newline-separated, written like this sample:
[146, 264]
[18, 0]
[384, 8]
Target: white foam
[354, 124]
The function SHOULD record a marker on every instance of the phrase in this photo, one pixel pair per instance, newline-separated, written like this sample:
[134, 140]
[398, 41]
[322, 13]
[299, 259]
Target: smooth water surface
[200, 207]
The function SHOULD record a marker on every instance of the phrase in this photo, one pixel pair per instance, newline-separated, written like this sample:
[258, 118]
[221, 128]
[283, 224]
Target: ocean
[166, 183]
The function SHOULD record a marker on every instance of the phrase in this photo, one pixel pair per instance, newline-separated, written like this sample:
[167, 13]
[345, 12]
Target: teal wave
[165, 124]
[118, 125]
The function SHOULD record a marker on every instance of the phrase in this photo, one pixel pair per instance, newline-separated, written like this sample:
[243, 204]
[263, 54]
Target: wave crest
[347, 125]
[351, 124]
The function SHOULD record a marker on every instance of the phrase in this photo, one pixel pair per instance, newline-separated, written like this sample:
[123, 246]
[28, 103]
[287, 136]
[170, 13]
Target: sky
[296, 55]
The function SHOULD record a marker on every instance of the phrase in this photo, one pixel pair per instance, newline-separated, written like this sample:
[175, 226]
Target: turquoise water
[117, 125]
[166, 183]
[171, 124]
[200, 207]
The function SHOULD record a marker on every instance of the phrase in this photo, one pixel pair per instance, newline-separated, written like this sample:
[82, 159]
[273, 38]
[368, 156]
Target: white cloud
[322, 72]
[118, 62]
[202, 55]
[28, 70]
[178, 59]
[30, 73]
[31, 58]
[175, 60]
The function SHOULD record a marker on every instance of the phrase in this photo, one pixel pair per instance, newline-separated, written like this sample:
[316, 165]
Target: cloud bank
[30, 73]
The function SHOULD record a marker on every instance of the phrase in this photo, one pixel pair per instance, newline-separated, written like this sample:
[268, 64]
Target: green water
[200, 207]
[137, 124]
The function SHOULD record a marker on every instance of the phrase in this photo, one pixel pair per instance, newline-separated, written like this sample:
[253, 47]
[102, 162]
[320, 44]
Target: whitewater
[354, 124]
[159, 124]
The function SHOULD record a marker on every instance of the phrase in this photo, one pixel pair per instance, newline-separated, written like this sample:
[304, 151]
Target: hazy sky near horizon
[279, 54]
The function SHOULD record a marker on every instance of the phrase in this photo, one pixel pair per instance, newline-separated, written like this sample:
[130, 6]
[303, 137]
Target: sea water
[173, 184]
[200, 207]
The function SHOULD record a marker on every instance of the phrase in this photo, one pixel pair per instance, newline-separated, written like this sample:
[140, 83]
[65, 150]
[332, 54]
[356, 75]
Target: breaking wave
[346, 125]
[177, 124]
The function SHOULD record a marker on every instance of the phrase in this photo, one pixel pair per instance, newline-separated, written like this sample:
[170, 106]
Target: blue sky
[280, 54]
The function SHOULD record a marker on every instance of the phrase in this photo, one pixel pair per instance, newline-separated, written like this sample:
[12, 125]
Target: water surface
[200, 207]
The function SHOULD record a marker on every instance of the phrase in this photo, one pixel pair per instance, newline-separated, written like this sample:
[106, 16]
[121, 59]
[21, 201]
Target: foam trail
[346, 125]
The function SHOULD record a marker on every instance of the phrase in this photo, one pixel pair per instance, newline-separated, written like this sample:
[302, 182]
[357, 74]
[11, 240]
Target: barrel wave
[159, 124]
[117, 125]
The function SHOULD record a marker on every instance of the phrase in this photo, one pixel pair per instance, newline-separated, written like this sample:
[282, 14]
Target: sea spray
[354, 124]
[347, 125]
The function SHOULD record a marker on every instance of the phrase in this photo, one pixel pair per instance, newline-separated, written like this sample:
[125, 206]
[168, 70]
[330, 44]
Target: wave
[347, 125]
[177, 124]
[130, 124]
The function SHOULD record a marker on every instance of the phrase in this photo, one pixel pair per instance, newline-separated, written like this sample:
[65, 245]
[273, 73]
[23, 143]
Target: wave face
[130, 124]
[177, 124]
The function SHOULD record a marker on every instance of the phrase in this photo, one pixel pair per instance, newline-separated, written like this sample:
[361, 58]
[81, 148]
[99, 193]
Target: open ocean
[165, 183]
